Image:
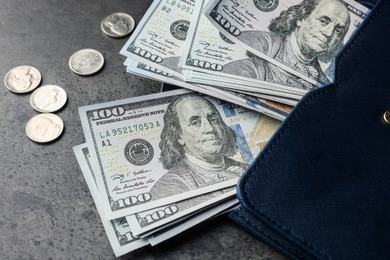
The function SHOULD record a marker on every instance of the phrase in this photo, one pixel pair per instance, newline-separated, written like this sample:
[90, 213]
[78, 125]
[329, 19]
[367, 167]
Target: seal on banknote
[139, 152]
[266, 5]
[179, 29]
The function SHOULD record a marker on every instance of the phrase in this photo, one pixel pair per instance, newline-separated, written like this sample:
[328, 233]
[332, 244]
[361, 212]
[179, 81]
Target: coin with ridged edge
[117, 25]
[86, 62]
[22, 79]
[44, 128]
[48, 98]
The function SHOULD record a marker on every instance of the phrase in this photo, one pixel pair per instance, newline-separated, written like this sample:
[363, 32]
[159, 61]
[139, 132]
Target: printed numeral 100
[160, 214]
[108, 112]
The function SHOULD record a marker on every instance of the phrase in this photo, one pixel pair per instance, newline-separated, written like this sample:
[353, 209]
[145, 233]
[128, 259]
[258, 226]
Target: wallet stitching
[331, 87]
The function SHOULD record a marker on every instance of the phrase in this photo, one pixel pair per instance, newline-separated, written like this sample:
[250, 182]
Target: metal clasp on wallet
[386, 117]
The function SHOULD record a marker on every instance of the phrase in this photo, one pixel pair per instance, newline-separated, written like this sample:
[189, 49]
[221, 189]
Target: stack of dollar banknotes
[157, 165]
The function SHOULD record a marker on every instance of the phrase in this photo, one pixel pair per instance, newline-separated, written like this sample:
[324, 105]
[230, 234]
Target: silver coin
[48, 98]
[117, 25]
[86, 62]
[44, 127]
[22, 79]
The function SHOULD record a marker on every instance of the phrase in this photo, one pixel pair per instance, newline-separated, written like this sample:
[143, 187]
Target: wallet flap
[323, 182]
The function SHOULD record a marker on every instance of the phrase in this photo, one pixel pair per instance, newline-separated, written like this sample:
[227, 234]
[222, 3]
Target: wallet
[320, 189]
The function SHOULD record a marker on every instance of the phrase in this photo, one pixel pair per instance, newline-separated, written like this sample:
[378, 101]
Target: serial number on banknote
[178, 4]
[130, 129]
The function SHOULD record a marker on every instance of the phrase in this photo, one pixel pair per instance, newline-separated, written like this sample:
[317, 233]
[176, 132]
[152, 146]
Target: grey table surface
[46, 210]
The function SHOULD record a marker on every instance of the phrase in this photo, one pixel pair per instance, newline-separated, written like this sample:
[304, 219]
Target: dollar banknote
[234, 84]
[170, 232]
[150, 220]
[143, 222]
[145, 158]
[208, 50]
[240, 99]
[160, 36]
[158, 27]
[300, 37]
[123, 239]
[118, 231]
[270, 99]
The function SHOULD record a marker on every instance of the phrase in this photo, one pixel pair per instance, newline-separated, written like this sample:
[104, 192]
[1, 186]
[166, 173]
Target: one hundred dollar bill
[233, 84]
[157, 44]
[150, 220]
[160, 36]
[240, 99]
[287, 103]
[300, 37]
[249, 92]
[145, 158]
[121, 237]
[208, 50]
[118, 231]
[170, 232]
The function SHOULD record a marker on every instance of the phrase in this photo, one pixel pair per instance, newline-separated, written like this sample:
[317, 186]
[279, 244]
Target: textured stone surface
[46, 211]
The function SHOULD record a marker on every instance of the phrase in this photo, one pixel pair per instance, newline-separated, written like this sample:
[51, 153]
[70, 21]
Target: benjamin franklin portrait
[195, 147]
[300, 37]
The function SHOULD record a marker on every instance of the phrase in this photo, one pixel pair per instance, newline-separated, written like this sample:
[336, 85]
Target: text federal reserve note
[159, 149]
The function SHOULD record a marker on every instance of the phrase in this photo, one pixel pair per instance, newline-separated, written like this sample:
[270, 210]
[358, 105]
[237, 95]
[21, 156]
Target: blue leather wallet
[320, 189]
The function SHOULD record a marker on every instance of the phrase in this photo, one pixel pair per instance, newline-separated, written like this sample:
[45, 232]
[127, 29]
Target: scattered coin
[48, 98]
[44, 127]
[86, 61]
[22, 79]
[118, 25]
